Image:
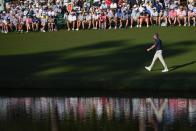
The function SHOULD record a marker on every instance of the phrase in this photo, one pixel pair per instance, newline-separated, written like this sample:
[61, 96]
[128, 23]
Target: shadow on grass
[110, 65]
[181, 65]
[176, 67]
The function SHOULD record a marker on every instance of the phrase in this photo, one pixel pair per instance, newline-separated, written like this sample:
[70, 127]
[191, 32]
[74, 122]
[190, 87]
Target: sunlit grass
[116, 57]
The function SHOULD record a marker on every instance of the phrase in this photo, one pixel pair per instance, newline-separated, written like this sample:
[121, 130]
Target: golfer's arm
[152, 47]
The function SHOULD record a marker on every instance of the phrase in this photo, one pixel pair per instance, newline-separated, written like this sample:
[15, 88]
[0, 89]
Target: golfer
[158, 54]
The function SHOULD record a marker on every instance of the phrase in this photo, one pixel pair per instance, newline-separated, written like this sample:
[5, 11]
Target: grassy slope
[98, 60]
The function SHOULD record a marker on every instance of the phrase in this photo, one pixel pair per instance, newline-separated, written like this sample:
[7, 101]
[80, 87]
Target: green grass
[98, 60]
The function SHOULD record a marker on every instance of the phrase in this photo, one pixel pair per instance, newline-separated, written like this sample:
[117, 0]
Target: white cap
[134, 6]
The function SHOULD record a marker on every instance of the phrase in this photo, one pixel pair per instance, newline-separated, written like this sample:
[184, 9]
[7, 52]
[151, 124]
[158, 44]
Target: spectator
[20, 24]
[191, 17]
[28, 23]
[103, 5]
[118, 15]
[144, 17]
[124, 18]
[102, 21]
[35, 23]
[95, 19]
[158, 5]
[113, 5]
[41, 15]
[162, 17]
[44, 20]
[51, 23]
[87, 20]
[181, 15]
[172, 17]
[135, 16]
[71, 20]
[154, 16]
[4, 22]
[80, 19]
[112, 18]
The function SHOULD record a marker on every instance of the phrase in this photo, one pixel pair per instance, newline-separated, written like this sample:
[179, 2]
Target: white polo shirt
[181, 13]
[95, 16]
[154, 14]
[88, 17]
[71, 18]
[51, 13]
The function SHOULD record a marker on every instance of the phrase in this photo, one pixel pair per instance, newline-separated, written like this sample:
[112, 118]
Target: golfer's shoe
[147, 68]
[165, 70]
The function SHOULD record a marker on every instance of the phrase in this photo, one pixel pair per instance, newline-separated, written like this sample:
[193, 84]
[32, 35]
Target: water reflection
[97, 113]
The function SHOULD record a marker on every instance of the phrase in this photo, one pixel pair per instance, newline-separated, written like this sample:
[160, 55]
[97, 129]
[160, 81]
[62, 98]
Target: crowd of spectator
[42, 15]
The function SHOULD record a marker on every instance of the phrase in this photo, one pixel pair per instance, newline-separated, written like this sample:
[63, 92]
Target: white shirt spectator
[51, 13]
[88, 17]
[113, 6]
[38, 14]
[173, 6]
[135, 14]
[44, 19]
[80, 17]
[95, 16]
[25, 12]
[190, 7]
[71, 18]
[1, 6]
[181, 13]
[141, 9]
[154, 13]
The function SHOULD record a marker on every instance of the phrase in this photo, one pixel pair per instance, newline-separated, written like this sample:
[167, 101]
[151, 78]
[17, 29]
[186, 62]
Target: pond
[97, 114]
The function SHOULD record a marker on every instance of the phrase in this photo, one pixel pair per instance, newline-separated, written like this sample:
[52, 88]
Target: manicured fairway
[98, 60]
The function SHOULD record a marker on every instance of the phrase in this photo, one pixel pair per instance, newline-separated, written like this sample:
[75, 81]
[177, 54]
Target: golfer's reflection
[53, 115]
[157, 107]
[142, 115]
